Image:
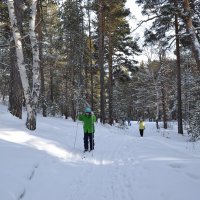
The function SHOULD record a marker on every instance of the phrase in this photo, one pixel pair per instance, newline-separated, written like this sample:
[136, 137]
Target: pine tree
[162, 15]
[52, 61]
[120, 47]
[74, 47]
[163, 22]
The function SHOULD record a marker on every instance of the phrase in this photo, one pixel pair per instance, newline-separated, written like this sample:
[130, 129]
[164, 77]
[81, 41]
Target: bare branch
[146, 20]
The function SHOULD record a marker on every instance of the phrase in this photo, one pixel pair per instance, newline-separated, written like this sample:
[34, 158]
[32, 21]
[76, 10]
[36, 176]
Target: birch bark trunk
[191, 31]
[30, 94]
[32, 104]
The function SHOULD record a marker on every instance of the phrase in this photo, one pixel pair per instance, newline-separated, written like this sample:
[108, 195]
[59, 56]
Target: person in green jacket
[88, 119]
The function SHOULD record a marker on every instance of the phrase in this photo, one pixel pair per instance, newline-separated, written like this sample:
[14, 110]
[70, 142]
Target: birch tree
[187, 16]
[31, 90]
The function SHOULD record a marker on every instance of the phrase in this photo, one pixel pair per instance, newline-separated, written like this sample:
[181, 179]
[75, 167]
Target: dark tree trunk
[179, 111]
[16, 91]
[73, 104]
[40, 38]
[101, 59]
[164, 106]
[110, 80]
[66, 97]
[90, 58]
[51, 85]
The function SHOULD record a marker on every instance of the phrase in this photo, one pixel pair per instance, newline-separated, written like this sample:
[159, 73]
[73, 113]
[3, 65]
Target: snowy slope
[44, 165]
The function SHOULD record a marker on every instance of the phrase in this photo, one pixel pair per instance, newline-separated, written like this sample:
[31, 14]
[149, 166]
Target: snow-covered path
[44, 165]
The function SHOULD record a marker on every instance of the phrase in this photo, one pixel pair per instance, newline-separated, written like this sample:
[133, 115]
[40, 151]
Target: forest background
[57, 58]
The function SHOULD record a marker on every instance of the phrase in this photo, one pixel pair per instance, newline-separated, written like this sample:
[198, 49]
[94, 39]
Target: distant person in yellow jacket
[141, 127]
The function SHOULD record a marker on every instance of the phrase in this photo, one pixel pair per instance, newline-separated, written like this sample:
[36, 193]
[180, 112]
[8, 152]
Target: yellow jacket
[141, 125]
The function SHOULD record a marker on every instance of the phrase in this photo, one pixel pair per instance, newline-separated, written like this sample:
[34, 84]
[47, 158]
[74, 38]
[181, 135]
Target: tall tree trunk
[110, 78]
[31, 95]
[16, 90]
[31, 118]
[15, 94]
[66, 110]
[155, 82]
[40, 38]
[191, 31]
[101, 59]
[51, 84]
[90, 58]
[72, 98]
[179, 100]
[164, 105]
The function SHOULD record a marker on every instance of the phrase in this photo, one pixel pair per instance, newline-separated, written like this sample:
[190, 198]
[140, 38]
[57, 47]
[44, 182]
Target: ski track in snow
[105, 169]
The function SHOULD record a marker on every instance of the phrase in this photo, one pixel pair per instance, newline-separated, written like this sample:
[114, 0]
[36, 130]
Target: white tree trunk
[31, 105]
[35, 51]
[31, 95]
[191, 32]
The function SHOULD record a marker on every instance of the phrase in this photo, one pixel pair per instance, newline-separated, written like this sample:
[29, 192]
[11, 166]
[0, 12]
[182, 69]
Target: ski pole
[92, 135]
[92, 143]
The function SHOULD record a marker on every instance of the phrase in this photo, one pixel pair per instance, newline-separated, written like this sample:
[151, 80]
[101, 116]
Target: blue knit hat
[88, 110]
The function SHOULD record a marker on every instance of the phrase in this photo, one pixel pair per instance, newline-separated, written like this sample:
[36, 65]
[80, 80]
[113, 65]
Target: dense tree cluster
[57, 58]
[178, 21]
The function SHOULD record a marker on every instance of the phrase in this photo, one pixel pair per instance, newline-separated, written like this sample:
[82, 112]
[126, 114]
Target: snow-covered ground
[47, 164]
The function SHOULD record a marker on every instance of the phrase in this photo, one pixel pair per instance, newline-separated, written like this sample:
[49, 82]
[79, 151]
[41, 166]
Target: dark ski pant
[141, 132]
[88, 137]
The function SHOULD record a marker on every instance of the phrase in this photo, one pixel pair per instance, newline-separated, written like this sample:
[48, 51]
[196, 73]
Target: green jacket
[88, 122]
